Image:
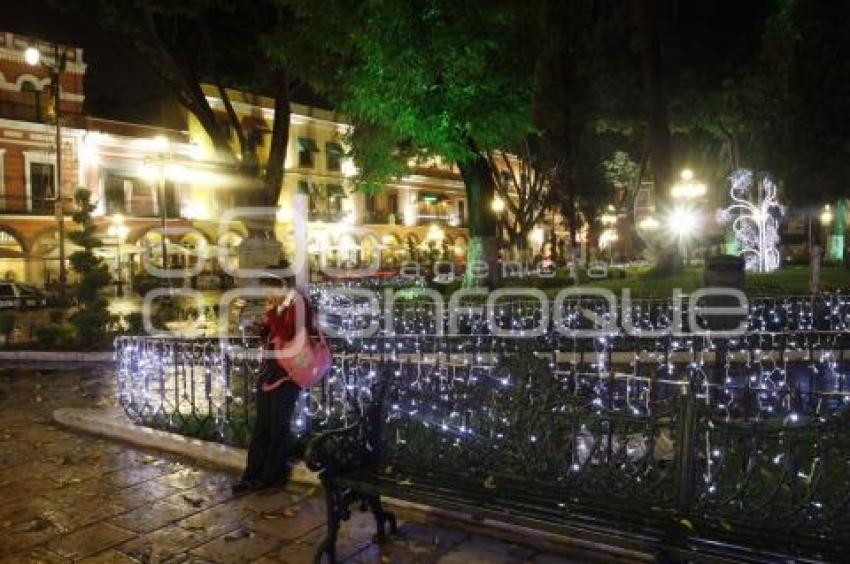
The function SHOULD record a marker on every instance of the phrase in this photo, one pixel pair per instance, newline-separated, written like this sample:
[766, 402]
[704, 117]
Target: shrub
[53, 335]
[7, 323]
[134, 323]
[56, 316]
[92, 320]
[167, 311]
[144, 283]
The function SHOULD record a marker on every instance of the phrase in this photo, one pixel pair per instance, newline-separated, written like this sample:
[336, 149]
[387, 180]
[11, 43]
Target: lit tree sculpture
[754, 214]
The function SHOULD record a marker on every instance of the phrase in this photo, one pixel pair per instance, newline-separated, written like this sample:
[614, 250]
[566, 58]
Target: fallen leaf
[240, 534]
[288, 512]
[687, 523]
[37, 524]
[725, 524]
[490, 483]
[193, 501]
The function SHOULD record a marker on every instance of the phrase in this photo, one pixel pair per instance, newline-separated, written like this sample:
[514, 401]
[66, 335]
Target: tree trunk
[260, 243]
[483, 247]
[647, 12]
[654, 94]
[280, 139]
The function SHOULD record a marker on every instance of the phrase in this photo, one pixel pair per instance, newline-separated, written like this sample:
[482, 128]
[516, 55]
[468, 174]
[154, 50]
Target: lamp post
[119, 231]
[609, 235]
[683, 222]
[826, 218]
[32, 55]
[161, 146]
[497, 205]
[687, 190]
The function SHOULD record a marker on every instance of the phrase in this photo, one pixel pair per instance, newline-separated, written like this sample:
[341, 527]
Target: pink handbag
[311, 360]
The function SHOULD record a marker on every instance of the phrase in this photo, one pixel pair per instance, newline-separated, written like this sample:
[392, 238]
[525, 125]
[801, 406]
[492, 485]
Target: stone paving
[66, 497]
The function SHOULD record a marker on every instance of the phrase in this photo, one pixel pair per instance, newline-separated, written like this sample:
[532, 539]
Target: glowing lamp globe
[32, 56]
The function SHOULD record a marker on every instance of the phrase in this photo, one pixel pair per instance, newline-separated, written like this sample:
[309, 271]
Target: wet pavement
[66, 497]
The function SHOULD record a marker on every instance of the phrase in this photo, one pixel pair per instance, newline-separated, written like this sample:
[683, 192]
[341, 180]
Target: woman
[272, 444]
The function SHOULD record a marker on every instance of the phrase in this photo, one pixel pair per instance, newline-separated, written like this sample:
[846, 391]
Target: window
[306, 150]
[333, 156]
[370, 203]
[312, 196]
[461, 212]
[335, 195]
[2, 179]
[115, 192]
[42, 193]
[325, 201]
[32, 99]
[126, 193]
[392, 204]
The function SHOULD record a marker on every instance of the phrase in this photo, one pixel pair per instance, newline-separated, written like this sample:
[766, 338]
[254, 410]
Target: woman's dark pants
[272, 444]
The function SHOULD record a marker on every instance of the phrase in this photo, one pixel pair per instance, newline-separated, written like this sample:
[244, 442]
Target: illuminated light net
[754, 215]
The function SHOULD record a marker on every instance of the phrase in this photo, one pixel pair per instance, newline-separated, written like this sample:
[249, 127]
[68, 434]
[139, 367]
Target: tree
[440, 78]
[577, 109]
[523, 182]
[92, 318]
[804, 46]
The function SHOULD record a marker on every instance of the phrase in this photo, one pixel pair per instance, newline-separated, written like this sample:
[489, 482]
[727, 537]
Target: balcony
[439, 219]
[21, 205]
[381, 217]
[325, 217]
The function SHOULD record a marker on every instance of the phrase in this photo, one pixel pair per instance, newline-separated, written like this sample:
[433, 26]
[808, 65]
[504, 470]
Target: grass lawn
[790, 280]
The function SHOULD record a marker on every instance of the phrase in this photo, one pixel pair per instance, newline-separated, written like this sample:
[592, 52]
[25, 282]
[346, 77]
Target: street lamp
[687, 188]
[826, 215]
[497, 205]
[683, 220]
[649, 224]
[161, 145]
[683, 223]
[32, 56]
[118, 231]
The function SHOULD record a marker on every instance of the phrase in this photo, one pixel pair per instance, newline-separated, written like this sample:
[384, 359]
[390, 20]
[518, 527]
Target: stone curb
[57, 356]
[113, 424]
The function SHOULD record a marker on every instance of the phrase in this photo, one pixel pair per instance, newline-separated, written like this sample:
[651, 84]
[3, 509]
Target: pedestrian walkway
[66, 497]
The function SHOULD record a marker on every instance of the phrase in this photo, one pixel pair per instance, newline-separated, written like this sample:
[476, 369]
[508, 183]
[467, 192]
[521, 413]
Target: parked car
[14, 295]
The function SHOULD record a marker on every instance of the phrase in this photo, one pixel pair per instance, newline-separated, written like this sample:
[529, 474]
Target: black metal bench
[357, 464]
[540, 452]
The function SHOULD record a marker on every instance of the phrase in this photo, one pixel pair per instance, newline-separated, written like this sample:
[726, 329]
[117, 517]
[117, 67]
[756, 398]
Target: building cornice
[37, 127]
[296, 118]
[16, 56]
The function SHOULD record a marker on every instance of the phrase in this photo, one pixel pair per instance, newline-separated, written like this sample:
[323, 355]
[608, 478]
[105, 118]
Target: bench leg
[382, 516]
[333, 510]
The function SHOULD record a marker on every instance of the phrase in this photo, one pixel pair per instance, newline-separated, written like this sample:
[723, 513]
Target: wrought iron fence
[431, 313]
[743, 439]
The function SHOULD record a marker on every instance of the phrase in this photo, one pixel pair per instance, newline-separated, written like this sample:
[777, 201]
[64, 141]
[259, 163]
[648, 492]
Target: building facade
[421, 216]
[144, 177]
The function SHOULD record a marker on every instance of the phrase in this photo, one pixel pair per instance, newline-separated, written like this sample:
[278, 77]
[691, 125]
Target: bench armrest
[338, 450]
